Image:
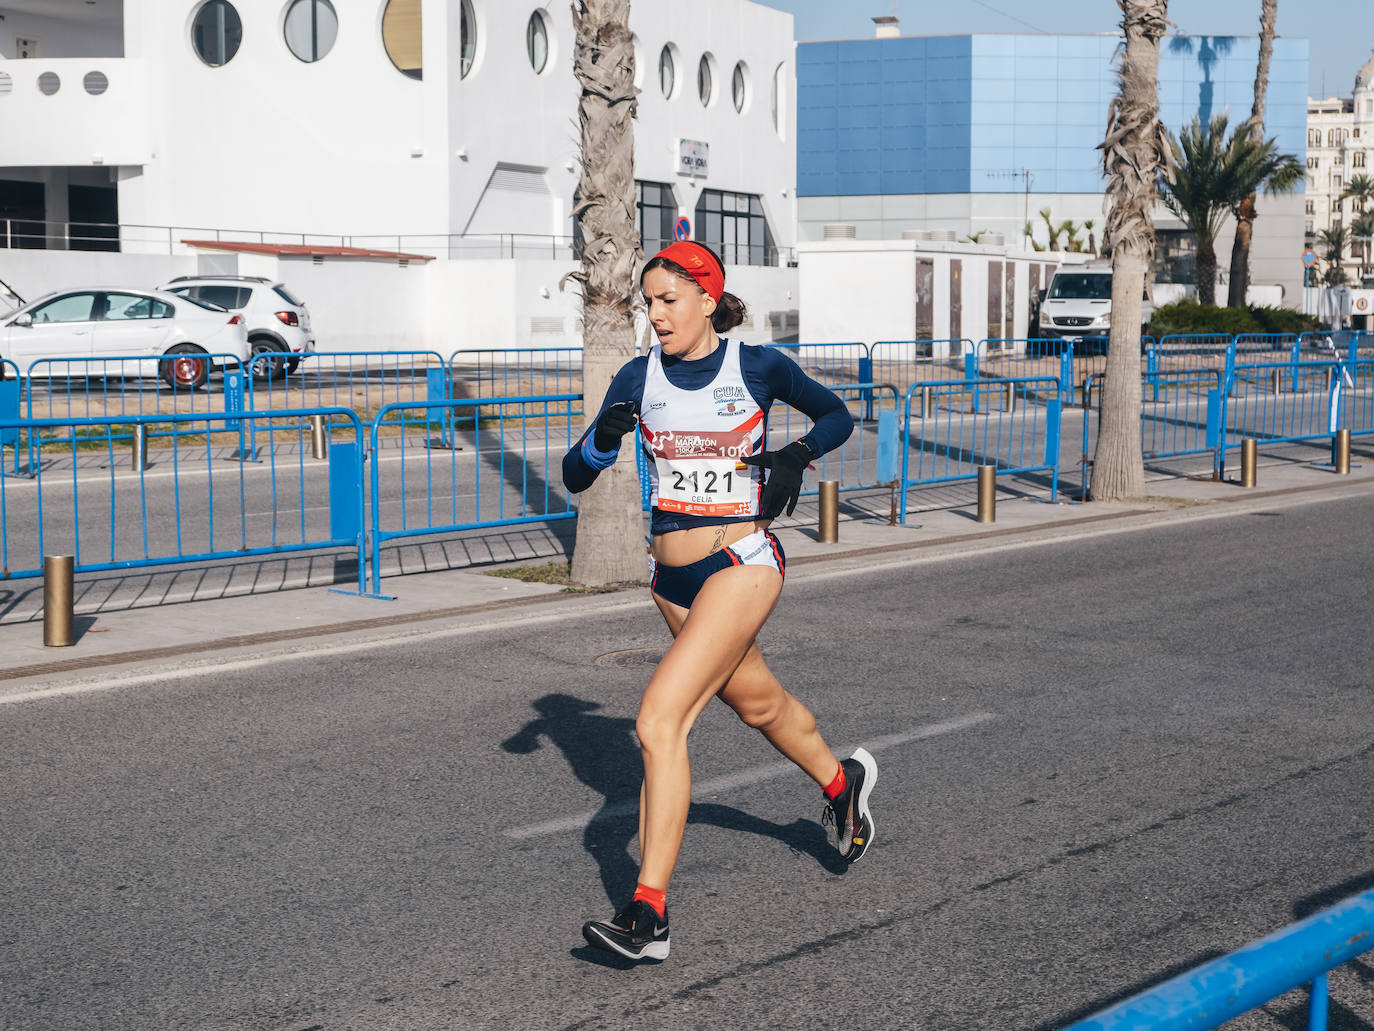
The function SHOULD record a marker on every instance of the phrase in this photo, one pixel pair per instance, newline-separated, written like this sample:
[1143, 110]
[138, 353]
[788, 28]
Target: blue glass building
[939, 132]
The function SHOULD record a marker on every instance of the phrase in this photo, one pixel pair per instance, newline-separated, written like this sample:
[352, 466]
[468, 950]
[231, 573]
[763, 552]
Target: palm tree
[1088, 224]
[1362, 231]
[1361, 187]
[1214, 173]
[1334, 241]
[1133, 155]
[609, 546]
[1245, 210]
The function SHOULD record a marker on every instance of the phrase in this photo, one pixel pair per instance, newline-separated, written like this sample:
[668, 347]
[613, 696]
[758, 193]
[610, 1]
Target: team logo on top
[731, 408]
[731, 393]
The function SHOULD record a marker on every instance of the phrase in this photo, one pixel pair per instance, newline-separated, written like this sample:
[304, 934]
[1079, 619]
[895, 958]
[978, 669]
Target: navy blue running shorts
[681, 584]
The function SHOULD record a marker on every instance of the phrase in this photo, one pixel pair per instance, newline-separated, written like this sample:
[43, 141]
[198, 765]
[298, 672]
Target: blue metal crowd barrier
[1211, 994]
[517, 442]
[1016, 439]
[179, 516]
[515, 372]
[831, 364]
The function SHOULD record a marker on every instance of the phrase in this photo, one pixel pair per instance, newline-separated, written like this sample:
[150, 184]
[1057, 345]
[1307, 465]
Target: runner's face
[680, 312]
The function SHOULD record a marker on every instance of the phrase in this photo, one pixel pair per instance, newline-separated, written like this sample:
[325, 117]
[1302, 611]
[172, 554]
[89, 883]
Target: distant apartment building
[1340, 147]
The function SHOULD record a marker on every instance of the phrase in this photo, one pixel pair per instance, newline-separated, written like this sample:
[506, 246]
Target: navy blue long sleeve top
[769, 374]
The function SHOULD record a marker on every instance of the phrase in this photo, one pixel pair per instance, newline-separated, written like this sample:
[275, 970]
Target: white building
[441, 127]
[1340, 146]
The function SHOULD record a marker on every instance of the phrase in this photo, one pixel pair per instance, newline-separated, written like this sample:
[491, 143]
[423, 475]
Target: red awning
[309, 250]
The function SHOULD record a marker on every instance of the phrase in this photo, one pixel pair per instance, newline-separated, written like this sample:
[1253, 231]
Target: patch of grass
[556, 573]
[1159, 499]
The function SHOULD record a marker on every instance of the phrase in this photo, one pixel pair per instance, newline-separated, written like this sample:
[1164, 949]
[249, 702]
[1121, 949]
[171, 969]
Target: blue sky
[1340, 33]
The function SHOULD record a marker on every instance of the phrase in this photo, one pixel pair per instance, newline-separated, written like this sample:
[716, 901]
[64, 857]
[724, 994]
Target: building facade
[440, 127]
[975, 136]
[1340, 148]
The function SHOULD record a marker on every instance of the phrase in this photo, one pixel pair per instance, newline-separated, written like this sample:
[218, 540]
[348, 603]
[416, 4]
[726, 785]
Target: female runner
[700, 405]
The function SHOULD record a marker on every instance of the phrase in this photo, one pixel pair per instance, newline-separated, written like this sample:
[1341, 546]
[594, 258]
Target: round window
[216, 32]
[467, 38]
[311, 28]
[6, 84]
[49, 83]
[402, 38]
[95, 83]
[704, 83]
[739, 87]
[667, 71]
[537, 41]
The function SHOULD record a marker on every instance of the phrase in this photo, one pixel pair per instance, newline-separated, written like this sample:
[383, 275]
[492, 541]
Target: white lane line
[744, 778]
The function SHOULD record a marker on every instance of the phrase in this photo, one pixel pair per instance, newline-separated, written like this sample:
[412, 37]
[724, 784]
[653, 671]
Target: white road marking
[744, 778]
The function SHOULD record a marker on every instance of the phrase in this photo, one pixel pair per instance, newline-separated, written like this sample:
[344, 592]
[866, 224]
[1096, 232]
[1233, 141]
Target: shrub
[1187, 316]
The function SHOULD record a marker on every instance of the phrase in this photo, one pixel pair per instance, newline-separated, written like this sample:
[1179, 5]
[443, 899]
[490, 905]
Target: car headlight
[1103, 320]
[1045, 319]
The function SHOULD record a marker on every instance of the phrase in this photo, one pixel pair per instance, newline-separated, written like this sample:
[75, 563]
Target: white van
[1078, 304]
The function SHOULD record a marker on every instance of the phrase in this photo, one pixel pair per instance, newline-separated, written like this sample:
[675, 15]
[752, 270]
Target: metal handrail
[1213, 993]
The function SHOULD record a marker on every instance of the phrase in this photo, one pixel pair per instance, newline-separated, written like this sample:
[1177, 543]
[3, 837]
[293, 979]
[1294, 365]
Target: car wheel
[186, 367]
[263, 367]
[292, 364]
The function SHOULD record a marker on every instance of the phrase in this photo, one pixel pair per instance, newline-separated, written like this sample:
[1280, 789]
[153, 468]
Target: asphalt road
[1100, 762]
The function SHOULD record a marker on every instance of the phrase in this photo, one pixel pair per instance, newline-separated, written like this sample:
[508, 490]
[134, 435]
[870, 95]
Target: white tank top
[693, 440]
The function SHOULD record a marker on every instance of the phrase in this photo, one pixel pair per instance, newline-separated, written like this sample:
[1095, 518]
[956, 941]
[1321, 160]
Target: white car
[104, 323]
[277, 320]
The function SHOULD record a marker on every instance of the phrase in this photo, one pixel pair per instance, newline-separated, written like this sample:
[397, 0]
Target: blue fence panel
[946, 440]
[362, 382]
[88, 498]
[503, 468]
[1258, 408]
[516, 372]
[904, 362]
[831, 364]
[1357, 406]
[1213, 993]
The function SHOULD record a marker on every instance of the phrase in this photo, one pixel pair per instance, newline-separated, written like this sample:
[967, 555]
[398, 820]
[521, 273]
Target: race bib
[698, 474]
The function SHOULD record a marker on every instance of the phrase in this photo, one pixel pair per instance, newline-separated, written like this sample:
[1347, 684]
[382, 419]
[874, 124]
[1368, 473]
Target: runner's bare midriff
[683, 547]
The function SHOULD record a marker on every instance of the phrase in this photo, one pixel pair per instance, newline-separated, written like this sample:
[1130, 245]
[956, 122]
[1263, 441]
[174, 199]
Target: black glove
[784, 481]
[612, 424]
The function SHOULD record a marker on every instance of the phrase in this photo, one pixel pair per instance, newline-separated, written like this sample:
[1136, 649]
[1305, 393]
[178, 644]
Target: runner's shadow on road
[604, 754]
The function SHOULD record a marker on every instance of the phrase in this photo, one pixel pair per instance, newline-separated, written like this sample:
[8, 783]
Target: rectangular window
[1311, 207]
[1357, 159]
[1313, 162]
[734, 225]
[657, 210]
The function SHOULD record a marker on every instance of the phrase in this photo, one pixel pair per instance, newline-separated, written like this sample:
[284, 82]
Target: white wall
[866, 290]
[34, 273]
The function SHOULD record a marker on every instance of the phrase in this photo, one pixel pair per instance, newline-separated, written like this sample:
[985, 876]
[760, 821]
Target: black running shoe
[849, 811]
[637, 932]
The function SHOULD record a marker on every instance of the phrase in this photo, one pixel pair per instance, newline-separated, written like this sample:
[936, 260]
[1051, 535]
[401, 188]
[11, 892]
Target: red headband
[700, 264]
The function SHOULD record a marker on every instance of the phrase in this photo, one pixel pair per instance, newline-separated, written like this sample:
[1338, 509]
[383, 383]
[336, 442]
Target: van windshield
[1082, 286]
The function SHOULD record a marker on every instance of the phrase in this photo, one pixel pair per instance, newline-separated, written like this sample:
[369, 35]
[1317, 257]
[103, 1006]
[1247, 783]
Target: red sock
[835, 788]
[657, 899]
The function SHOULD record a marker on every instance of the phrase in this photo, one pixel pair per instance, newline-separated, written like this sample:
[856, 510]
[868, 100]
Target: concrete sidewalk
[160, 628]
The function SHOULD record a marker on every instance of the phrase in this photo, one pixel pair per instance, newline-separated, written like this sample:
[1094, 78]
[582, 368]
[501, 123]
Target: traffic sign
[682, 230]
[1309, 257]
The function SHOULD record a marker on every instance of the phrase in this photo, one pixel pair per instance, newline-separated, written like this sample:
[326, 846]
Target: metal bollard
[140, 454]
[927, 402]
[830, 512]
[319, 439]
[59, 622]
[987, 494]
[1011, 398]
[1249, 458]
[1340, 452]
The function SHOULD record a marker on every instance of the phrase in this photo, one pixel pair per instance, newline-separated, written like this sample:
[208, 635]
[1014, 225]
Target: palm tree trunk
[1245, 213]
[610, 527]
[1133, 154]
[1206, 270]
